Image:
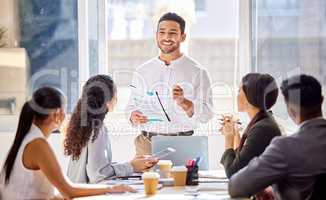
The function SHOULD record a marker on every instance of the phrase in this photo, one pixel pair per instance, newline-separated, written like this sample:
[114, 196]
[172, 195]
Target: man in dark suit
[290, 164]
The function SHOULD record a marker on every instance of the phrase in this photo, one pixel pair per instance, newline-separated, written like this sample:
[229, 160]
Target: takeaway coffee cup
[165, 167]
[150, 182]
[179, 174]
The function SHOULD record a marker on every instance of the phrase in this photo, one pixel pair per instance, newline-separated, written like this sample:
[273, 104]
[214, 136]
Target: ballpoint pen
[198, 160]
[238, 122]
[159, 100]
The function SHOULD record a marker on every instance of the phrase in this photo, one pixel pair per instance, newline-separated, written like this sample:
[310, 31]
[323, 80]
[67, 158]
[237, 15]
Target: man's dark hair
[173, 17]
[304, 91]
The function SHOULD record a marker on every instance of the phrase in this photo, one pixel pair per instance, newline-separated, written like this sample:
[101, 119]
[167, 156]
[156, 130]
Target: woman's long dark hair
[43, 101]
[261, 91]
[87, 118]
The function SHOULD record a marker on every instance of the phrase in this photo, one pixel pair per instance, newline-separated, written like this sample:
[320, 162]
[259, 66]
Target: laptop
[187, 147]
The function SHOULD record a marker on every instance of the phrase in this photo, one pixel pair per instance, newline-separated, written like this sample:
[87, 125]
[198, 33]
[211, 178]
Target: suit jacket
[291, 164]
[259, 137]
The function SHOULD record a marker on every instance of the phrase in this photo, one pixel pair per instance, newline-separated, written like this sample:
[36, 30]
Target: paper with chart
[149, 105]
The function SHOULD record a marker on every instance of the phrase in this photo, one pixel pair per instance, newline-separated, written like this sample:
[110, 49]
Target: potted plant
[3, 42]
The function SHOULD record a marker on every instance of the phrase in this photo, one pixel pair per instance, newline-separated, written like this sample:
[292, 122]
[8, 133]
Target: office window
[49, 35]
[200, 5]
[212, 41]
[48, 30]
[93, 36]
[289, 37]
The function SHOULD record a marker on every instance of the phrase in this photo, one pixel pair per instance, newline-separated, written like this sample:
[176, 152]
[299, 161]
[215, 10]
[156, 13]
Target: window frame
[83, 40]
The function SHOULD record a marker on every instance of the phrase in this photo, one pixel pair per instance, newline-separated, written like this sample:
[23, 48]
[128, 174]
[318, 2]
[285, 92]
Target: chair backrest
[319, 192]
[187, 147]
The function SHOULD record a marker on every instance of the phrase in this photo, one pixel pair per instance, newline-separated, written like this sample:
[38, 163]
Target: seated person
[257, 94]
[87, 140]
[31, 170]
[290, 164]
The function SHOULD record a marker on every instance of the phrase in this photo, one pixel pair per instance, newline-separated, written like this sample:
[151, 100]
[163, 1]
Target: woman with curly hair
[87, 141]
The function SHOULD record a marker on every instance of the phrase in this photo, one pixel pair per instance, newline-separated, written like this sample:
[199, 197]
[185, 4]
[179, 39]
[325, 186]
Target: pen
[129, 177]
[159, 100]
[132, 86]
[229, 121]
[198, 160]
[190, 164]
[155, 120]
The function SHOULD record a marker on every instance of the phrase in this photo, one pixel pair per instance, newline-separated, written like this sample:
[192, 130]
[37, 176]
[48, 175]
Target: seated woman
[31, 170]
[87, 140]
[257, 94]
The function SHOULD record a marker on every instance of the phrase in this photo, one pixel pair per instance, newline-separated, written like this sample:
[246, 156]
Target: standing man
[174, 85]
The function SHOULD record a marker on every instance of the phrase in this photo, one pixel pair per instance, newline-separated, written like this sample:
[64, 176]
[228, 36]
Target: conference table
[212, 186]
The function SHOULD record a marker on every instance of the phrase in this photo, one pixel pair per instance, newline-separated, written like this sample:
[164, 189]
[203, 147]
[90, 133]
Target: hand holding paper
[138, 118]
[149, 108]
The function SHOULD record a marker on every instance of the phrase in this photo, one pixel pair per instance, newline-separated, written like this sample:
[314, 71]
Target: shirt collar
[173, 62]
[308, 121]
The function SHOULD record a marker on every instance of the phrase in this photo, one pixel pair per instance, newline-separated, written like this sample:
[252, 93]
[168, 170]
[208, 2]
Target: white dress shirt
[155, 76]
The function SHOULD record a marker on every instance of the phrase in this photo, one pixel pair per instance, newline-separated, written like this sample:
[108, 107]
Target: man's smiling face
[169, 36]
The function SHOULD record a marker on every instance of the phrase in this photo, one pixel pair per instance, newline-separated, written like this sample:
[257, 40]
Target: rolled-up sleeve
[99, 165]
[203, 102]
[261, 172]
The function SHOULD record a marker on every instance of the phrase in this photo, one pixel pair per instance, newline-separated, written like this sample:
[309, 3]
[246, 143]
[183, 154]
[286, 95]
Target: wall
[13, 79]
[9, 19]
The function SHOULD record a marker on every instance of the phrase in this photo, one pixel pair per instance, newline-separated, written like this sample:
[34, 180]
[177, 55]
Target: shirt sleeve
[257, 141]
[99, 160]
[203, 102]
[261, 172]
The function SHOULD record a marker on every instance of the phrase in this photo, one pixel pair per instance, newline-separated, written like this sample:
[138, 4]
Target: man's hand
[178, 94]
[185, 104]
[138, 118]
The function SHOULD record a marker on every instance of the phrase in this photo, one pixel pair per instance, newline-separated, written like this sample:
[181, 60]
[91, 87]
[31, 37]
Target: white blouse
[25, 183]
